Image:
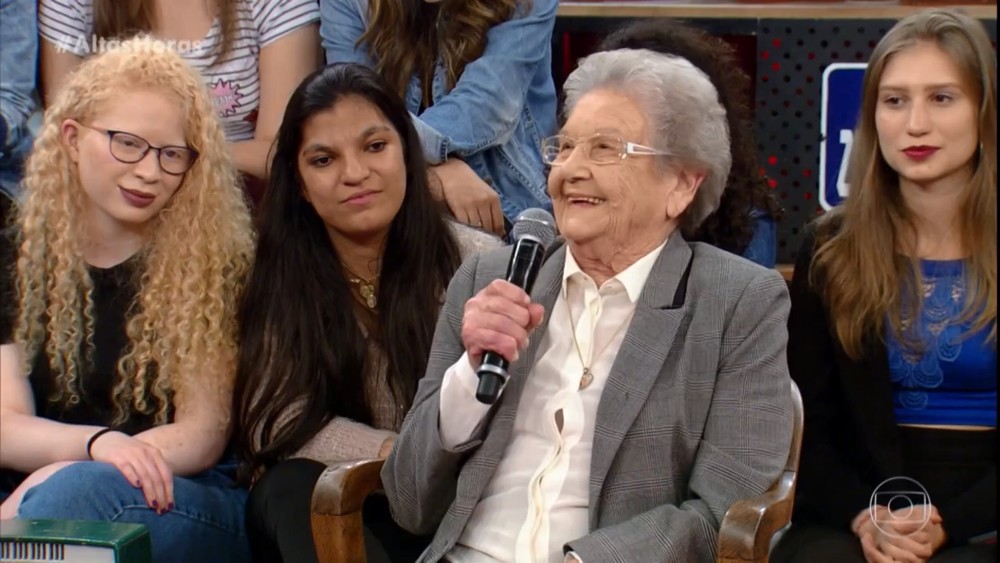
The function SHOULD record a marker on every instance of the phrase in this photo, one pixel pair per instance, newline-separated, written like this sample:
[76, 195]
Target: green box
[76, 541]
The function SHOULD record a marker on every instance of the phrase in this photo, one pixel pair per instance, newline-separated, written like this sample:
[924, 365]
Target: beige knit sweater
[343, 439]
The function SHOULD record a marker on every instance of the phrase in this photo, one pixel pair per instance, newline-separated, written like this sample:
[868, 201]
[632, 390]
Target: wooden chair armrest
[337, 500]
[786, 271]
[747, 529]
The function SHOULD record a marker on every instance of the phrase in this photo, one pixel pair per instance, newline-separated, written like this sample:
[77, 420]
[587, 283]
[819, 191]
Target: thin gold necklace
[367, 289]
[587, 377]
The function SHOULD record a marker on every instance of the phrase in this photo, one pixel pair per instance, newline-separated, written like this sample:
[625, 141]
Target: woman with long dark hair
[477, 77]
[337, 320]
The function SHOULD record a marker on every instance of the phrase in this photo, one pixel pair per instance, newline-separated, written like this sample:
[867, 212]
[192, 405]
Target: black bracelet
[98, 434]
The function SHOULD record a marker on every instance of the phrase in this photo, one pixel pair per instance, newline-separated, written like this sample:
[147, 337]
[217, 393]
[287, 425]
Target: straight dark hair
[301, 343]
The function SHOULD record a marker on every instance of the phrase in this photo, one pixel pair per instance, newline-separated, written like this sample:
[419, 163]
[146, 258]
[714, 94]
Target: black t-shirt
[113, 294]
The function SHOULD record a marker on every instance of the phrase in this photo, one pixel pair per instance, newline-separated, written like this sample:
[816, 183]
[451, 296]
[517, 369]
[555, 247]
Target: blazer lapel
[659, 314]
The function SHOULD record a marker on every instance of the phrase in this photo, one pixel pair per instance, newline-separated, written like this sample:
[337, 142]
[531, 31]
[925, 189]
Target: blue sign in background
[840, 106]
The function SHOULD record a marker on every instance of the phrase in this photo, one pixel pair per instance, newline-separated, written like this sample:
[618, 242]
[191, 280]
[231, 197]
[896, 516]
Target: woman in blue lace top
[892, 333]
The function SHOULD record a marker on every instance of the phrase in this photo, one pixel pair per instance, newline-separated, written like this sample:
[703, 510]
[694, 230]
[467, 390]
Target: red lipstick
[921, 152]
[137, 199]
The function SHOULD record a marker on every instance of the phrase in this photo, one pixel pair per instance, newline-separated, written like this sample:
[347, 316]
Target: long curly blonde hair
[181, 326]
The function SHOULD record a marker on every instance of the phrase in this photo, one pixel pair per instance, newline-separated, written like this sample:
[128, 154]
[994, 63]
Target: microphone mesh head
[537, 223]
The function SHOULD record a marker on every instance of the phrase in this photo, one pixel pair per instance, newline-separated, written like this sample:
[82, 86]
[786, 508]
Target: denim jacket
[497, 114]
[18, 60]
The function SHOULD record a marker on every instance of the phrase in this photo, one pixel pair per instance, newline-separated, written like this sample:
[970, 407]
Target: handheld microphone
[534, 230]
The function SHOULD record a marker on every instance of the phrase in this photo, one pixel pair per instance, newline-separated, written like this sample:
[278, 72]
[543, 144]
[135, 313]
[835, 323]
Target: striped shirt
[233, 81]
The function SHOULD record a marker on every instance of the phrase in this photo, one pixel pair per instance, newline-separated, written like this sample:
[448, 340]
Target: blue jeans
[206, 523]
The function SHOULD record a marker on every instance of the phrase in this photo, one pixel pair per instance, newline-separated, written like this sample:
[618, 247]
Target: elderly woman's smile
[584, 200]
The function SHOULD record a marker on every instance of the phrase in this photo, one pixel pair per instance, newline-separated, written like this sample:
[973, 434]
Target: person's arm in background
[342, 23]
[65, 28]
[483, 110]
[18, 61]
[289, 51]
[484, 107]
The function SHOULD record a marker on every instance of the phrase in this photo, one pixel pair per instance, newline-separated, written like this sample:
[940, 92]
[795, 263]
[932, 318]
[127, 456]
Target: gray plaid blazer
[696, 412]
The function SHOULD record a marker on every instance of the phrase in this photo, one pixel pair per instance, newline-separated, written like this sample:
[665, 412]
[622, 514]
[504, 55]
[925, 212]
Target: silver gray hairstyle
[681, 105]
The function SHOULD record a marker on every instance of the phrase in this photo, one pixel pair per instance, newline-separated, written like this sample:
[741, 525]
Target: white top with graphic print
[234, 82]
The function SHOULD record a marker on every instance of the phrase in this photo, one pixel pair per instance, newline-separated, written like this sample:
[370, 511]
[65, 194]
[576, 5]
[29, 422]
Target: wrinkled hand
[469, 198]
[499, 318]
[897, 537]
[142, 465]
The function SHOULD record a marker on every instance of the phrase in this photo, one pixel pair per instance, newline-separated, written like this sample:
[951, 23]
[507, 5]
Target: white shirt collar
[633, 278]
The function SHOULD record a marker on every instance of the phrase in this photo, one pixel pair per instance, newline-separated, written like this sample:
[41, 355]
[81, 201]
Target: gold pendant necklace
[587, 377]
[367, 289]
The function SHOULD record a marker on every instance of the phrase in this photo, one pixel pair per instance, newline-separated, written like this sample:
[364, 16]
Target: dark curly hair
[731, 226]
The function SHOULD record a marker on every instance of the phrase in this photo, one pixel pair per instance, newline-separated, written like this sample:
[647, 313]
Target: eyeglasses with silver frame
[599, 149]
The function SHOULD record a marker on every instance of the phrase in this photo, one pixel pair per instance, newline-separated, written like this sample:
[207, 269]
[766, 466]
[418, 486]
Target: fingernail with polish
[170, 506]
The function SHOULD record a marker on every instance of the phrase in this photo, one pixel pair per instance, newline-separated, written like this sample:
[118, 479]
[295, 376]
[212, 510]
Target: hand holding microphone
[499, 319]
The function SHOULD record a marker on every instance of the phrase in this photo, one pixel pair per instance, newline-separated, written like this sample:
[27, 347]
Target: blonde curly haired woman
[118, 333]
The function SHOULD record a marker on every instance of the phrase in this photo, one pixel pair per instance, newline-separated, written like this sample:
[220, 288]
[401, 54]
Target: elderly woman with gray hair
[648, 385]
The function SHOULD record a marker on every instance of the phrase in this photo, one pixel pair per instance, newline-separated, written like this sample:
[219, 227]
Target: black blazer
[851, 442]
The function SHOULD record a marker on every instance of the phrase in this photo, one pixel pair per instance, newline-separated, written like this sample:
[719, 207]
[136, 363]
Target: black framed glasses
[130, 148]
